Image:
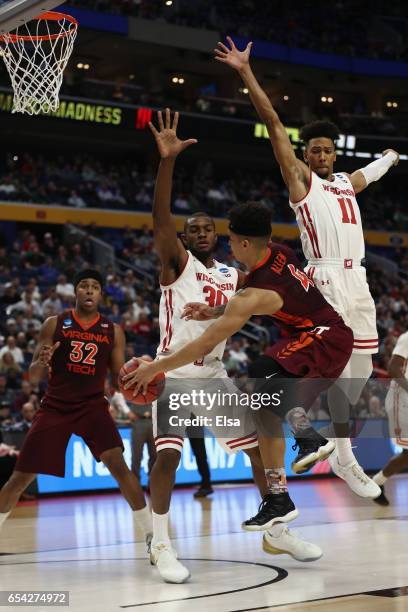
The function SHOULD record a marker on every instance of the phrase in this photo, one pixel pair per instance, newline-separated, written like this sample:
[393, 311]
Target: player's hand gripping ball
[154, 388]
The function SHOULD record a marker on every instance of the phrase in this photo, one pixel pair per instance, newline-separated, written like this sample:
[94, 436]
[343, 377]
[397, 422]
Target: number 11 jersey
[214, 286]
[329, 220]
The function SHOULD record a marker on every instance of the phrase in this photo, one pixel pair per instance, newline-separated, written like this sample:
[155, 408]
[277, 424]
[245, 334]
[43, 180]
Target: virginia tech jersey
[79, 365]
[304, 307]
[196, 283]
[329, 219]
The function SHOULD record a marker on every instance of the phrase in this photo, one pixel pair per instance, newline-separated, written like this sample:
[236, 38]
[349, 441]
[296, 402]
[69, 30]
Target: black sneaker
[203, 491]
[312, 448]
[382, 500]
[273, 509]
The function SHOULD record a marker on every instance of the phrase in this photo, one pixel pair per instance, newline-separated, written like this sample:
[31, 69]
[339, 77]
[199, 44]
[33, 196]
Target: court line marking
[282, 574]
[294, 603]
[209, 535]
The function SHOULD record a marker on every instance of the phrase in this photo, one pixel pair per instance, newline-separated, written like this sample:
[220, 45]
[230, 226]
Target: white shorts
[169, 416]
[396, 406]
[348, 292]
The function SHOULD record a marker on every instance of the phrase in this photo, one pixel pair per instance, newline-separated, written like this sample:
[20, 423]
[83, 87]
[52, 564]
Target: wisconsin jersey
[79, 365]
[329, 220]
[215, 286]
[396, 402]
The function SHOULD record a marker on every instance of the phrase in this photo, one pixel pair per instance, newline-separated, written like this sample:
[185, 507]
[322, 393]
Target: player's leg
[276, 505]
[395, 465]
[345, 392]
[197, 443]
[43, 452]
[162, 479]
[270, 377]
[99, 432]
[11, 492]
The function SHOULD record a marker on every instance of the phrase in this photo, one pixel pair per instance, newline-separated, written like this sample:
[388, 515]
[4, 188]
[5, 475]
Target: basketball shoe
[164, 557]
[273, 509]
[287, 543]
[354, 475]
[382, 499]
[312, 448]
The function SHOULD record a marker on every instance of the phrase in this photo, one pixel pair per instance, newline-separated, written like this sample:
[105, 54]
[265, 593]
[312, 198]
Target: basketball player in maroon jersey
[328, 216]
[78, 347]
[318, 347]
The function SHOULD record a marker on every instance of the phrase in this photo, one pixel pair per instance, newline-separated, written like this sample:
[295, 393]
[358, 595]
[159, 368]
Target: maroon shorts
[321, 353]
[44, 448]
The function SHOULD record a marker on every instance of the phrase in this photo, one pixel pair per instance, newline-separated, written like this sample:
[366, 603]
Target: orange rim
[48, 16]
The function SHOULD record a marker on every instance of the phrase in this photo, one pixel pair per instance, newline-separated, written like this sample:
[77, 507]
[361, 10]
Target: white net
[35, 55]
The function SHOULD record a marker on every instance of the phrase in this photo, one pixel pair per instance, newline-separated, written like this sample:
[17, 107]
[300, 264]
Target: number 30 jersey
[329, 220]
[214, 286]
[80, 364]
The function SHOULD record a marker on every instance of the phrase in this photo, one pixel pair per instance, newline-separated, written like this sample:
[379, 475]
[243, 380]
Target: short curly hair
[319, 129]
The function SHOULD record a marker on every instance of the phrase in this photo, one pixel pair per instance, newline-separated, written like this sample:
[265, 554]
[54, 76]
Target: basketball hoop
[35, 55]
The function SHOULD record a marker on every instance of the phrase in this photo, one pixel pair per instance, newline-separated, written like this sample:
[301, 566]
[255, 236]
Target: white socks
[3, 516]
[160, 528]
[143, 519]
[344, 451]
[379, 479]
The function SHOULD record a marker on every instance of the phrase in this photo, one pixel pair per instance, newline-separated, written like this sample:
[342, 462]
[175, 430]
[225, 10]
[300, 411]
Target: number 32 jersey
[79, 365]
[214, 286]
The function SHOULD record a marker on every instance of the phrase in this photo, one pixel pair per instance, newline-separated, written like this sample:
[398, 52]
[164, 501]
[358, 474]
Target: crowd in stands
[344, 26]
[35, 282]
[88, 181]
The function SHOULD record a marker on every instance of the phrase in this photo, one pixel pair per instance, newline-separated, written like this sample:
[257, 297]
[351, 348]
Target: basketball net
[36, 54]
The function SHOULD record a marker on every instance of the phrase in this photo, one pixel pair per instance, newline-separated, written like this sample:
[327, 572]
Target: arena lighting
[330, 99]
[80, 65]
[286, 98]
[323, 99]
[169, 2]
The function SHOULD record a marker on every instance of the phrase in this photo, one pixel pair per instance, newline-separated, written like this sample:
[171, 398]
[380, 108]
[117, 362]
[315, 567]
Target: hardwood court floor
[87, 545]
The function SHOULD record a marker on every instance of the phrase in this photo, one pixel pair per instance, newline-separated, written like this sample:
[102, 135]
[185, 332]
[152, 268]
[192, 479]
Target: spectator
[11, 347]
[64, 289]
[52, 305]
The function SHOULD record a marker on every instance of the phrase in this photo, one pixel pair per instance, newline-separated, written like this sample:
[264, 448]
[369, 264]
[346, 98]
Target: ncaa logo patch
[224, 270]
[67, 322]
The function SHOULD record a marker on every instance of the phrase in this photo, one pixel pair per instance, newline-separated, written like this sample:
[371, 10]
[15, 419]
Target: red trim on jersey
[370, 340]
[312, 227]
[83, 324]
[309, 232]
[168, 296]
[307, 192]
[263, 261]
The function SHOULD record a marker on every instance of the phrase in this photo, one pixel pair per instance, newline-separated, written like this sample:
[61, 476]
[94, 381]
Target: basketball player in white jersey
[190, 273]
[396, 405]
[329, 221]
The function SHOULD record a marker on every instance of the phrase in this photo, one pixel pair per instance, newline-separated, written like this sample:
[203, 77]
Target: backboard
[16, 12]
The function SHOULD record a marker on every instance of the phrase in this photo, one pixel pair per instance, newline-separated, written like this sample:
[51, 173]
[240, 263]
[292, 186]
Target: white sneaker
[164, 557]
[355, 477]
[290, 544]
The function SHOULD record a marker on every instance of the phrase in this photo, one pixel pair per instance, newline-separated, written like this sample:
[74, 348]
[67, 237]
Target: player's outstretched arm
[44, 351]
[237, 312]
[171, 251]
[295, 172]
[360, 179]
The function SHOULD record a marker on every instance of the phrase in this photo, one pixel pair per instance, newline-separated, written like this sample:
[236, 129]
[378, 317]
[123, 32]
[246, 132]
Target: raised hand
[233, 57]
[46, 353]
[197, 311]
[168, 143]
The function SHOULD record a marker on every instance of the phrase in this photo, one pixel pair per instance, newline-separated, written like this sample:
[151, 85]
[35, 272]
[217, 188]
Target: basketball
[154, 388]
